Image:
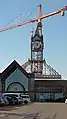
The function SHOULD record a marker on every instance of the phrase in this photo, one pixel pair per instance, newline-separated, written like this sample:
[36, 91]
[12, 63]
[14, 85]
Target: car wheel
[13, 101]
[25, 102]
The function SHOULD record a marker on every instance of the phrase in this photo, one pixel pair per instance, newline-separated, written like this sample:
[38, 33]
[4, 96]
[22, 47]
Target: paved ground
[42, 110]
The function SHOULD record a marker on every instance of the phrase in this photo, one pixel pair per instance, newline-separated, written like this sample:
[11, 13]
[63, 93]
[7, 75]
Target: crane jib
[61, 11]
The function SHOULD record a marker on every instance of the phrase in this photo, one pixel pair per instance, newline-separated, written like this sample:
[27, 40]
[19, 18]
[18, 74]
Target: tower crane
[60, 11]
[36, 62]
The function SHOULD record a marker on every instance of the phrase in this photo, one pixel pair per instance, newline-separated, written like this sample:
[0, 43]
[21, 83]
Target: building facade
[47, 89]
[15, 79]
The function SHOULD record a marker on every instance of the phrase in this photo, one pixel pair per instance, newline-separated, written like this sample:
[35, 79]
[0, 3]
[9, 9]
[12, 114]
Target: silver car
[3, 100]
[16, 95]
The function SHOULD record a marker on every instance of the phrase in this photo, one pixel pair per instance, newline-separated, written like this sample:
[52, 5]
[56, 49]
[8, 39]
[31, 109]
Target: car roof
[11, 93]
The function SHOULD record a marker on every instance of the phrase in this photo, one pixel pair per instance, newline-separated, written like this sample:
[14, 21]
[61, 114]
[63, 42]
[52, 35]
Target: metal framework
[48, 72]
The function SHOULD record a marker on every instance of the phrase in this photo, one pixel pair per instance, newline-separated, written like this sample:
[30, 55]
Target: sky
[15, 43]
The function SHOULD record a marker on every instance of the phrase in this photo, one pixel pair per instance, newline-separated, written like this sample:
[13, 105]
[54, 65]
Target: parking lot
[39, 110]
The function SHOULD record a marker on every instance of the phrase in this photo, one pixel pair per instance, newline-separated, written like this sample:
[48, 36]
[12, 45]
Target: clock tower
[37, 47]
[37, 64]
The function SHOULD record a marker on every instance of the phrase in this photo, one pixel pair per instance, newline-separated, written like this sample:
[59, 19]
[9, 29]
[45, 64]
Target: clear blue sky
[15, 44]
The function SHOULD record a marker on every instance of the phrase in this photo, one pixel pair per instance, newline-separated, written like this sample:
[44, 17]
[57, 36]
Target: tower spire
[39, 24]
[39, 10]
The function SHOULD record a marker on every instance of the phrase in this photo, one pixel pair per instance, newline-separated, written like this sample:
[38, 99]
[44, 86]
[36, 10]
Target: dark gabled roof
[11, 68]
[40, 38]
[37, 31]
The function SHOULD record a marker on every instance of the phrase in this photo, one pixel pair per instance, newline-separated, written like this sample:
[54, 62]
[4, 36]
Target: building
[15, 79]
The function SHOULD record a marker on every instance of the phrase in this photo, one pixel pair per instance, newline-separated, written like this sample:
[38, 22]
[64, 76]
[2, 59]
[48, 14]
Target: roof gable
[38, 38]
[11, 68]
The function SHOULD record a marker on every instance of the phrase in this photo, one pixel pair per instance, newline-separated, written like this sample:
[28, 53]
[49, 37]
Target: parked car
[11, 99]
[16, 97]
[25, 98]
[3, 100]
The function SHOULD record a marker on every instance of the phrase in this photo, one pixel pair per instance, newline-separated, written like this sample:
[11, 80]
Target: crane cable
[14, 19]
[17, 18]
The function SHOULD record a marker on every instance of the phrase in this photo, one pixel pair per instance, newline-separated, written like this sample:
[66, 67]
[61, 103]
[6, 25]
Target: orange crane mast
[60, 11]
